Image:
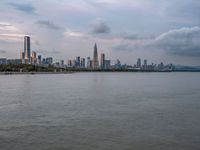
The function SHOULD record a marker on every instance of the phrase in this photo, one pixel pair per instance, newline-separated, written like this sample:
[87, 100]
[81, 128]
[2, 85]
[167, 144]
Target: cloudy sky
[157, 30]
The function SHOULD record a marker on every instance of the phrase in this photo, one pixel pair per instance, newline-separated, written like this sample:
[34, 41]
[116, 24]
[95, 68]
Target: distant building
[95, 64]
[82, 62]
[27, 49]
[138, 63]
[49, 61]
[117, 64]
[107, 64]
[34, 58]
[14, 61]
[39, 59]
[145, 66]
[89, 63]
[22, 55]
[62, 63]
[69, 63]
[43, 61]
[102, 61]
[3, 61]
[145, 62]
[78, 61]
[73, 63]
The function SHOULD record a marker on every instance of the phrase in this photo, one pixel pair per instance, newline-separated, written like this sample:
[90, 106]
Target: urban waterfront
[100, 111]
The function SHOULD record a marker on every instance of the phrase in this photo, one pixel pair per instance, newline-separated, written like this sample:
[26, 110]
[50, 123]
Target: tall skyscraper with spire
[95, 64]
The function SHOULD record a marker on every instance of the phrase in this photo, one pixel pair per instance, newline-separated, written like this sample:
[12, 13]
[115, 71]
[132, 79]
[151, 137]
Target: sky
[157, 30]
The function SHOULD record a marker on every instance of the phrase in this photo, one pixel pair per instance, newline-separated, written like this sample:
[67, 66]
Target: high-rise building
[88, 62]
[34, 55]
[139, 63]
[102, 61]
[22, 55]
[34, 58]
[27, 49]
[117, 64]
[95, 64]
[49, 60]
[39, 59]
[107, 64]
[145, 62]
[82, 62]
[62, 63]
[69, 63]
[78, 61]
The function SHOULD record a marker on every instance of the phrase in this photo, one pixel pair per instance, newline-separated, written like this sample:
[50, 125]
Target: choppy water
[100, 111]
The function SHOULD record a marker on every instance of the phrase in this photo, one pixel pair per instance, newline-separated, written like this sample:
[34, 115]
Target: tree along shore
[26, 68]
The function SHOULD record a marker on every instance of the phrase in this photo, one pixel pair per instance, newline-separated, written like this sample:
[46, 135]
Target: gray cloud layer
[2, 51]
[182, 42]
[99, 27]
[26, 8]
[48, 24]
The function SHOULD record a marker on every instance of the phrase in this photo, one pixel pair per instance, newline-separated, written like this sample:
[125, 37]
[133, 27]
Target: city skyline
[126, 31]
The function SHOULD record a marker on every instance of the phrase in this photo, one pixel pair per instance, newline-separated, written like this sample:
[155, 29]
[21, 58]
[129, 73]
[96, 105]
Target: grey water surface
[100, 111]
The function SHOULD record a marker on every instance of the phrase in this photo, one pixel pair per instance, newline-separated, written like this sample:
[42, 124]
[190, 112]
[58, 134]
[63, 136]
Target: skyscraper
[78, 61]
[145, 62]
[82, 62]
[34, 58]
[139, 63]
[88, 62]
[27, 48]
[95, 64]
[102, 61]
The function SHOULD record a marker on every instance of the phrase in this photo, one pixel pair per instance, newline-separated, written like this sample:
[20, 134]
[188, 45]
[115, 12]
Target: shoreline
[70, 72]
[32, 73]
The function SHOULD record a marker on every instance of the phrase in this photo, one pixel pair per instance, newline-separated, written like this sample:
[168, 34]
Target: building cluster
[28, 57]
[90, 63]
[151, 67]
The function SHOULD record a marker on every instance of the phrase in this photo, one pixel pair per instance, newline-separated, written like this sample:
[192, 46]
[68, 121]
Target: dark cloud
[2, 51]
[125, 47]
[48, 24]
[130, 36]
[179, 42]
[99, 27]
[182, 42]
[26, 8]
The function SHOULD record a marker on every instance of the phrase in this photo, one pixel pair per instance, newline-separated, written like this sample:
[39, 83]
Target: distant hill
[186, 68]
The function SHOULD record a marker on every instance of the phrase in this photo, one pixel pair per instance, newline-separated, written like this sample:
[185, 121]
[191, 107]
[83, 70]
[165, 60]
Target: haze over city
[166, 31]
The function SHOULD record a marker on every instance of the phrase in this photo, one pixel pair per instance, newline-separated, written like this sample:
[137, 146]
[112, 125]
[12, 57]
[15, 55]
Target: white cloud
[10, 33]
[69, 33]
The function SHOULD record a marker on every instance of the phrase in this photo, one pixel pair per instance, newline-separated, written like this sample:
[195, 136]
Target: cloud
[69, 33]
[26, 8]
[10, 33]
[48, 24]
[182, 42]
[99, 27]
[37, 43]
[123, 47]
[2, 25]
[2, 51]
[178, 42]
[96, 3]
[130, 36]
